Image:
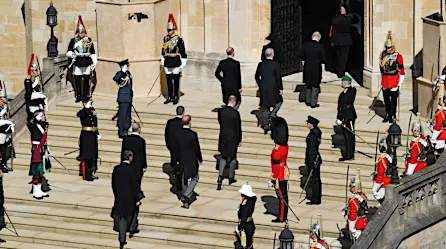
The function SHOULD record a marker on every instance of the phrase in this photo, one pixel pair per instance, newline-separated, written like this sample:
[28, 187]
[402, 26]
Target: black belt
[276, 161]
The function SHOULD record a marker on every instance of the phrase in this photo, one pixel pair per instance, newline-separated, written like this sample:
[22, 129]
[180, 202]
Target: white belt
[36, 142]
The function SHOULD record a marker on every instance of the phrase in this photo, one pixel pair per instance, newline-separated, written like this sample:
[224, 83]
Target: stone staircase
[77, 213]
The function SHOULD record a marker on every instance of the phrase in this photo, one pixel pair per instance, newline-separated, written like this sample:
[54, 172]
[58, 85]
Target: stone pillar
[127, 39]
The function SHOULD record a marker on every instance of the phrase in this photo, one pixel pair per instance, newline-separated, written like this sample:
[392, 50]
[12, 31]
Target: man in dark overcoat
[127, 198]
[174, 125]
[124, 80]
[313, 53]
[313, 161]
[187, 154]
[231, 80]
[229, 140]
[88, 141]
[137, 144]
[347, 117]
[269, 80]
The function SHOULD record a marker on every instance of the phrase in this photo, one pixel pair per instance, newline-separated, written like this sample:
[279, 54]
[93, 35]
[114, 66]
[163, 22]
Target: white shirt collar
[178, 116]
[135, 133]
[185, 126]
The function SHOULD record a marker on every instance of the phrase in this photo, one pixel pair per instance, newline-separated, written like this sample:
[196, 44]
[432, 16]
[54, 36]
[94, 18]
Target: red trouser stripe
[83, 169]
[282, 205]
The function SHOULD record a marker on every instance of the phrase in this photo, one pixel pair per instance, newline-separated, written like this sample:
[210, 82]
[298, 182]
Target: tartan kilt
[36, 169]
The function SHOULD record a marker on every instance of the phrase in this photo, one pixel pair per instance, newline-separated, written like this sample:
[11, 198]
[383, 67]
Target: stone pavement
[77, 213]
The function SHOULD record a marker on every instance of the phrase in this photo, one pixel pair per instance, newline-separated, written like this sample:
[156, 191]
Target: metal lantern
[394, 138]
[51, 20]
[51, 16]
[286, 238]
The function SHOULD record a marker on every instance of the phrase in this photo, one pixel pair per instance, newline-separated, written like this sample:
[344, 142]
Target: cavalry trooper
[356, 209]
[246, 227]
[173, 59]
[316, 236]
[83, 59]
[417, 156]
[438, 129]
[6, 148]
[381, 178]
[35, 99]
[88, 141]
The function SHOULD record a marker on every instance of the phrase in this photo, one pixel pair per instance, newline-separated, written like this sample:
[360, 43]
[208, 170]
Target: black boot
[168, 100]
[122, 244]
[176, 99]
[219, 181]
[2, 241]
[386, 118]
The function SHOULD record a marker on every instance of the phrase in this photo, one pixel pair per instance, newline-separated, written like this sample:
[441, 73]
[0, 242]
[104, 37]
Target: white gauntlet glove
[99, 137]
[124, 68]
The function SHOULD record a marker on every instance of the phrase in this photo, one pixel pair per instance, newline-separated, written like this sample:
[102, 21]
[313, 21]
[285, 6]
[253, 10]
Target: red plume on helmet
[80, 25]
[31, 62]
[171, 24]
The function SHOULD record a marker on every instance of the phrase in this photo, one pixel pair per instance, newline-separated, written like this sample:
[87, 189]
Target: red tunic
[353, 207]
[381, 177]
[391, 81]
[279, 167]
[440, 115]
[316, 244]
[416, 146]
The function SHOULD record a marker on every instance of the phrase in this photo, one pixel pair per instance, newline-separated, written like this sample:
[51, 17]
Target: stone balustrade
[416, 204]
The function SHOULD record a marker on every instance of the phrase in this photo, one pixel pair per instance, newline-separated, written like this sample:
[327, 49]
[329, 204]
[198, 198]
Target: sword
[54, 186]
[374, 101]
[60, 163]
[371, 118]
[376, 148]
[346, 185]
[278, 194]
[137, 115]
[306, 183]
[10, 221]
[274, 245]
[40, 74]
[154, 82]
[348, 129]
[71, 152]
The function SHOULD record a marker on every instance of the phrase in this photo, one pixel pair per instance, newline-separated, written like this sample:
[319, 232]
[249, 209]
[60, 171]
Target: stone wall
[433, 237]
[18, 41]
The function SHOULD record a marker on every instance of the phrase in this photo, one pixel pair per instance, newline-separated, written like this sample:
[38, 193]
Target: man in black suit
[187, 154]
[347, 117]
[137, 145]
[229, 140]
[127, 197]
[269, 80]
[231, 81]
[341, 39]
[173, 125]
[313, 53]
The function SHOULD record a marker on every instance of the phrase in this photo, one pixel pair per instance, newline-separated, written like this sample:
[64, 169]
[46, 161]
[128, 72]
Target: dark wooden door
[286, 23]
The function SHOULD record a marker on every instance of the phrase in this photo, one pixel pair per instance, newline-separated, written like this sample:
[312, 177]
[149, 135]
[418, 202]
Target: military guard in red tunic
[393, 74]
[280, 171]
[173, 59]
[438, 129]
[357, 206]
[316, 236]
[416, 159]
[381, 177]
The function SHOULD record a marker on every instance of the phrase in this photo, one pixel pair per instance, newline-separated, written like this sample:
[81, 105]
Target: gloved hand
[92, 67]
[270, 183]
[85, 38]
[394, 89]
[338, 122]
[344, 211]
[99, 137]
[436, 79]
[236, 229]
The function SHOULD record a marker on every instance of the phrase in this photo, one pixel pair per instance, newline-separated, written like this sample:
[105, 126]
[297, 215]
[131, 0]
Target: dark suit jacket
[187, 152]
[231, 81]
[346, 104]
[172, 127]
[269, 80]
[125, 190]
[137, 145]
[313, 53]
[230, 131]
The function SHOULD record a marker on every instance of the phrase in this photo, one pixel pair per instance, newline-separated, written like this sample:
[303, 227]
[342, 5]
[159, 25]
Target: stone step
[201, 115]
[157, 143]
[326, 97]
[11, 244]
[211, 206]
[332, 188]
[58, 218]
[327, 86]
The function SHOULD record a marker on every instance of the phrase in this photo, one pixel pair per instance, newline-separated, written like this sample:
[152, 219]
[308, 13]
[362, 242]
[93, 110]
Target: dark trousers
[315, 194]
[283, 208]
[122, 226]
[124, 118]
[134, 223]
[269, 113]
[390, 101]
[341, 59]
[82, 83]
[312, 96]
[350, 140]
[173, 85]
[87, 169]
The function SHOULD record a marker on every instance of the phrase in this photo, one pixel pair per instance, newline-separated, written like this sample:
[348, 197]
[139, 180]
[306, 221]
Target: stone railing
[414, 205]
[55, 88]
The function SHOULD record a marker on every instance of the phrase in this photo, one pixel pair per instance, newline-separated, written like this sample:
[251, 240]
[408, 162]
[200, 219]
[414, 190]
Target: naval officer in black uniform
[313, 161]
[246, 227]
[346, 117]
[88, 141]
[124, 80]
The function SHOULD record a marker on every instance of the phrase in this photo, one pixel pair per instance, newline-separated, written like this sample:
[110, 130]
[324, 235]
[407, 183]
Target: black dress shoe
[307, 104]
[386, 119]
[176, 100]
[122, 244]
[78, 99]
[342, 159]
[277, 221]
[2, 241]
[231, 181]
[168, 100]
[95, 178]
[89, 179]
[133, 233]
[315, 106]
[313, 203]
